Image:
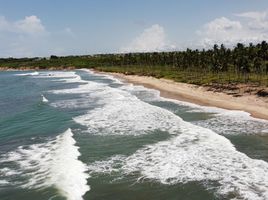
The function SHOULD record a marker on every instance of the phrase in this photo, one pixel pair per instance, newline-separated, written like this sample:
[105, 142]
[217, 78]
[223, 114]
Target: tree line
[243, 63]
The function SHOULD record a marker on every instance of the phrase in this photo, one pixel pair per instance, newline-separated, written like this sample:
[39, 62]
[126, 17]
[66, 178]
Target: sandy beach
[251, 103]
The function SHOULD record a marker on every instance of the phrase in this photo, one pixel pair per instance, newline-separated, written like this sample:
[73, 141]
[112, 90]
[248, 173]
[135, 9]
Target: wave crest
[51, 164]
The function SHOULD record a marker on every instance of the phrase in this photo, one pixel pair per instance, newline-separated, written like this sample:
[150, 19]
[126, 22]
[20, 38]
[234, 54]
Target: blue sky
[61, 27]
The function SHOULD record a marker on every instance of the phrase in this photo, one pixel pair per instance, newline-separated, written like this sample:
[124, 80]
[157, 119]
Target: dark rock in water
[262, 93]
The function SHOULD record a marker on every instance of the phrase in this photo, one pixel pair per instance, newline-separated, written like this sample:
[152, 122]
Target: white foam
[54, 163]
[234, 122]
[120, 113]
[63, 76]
[8, 172]
[223, 121]
[193, 154]
[115, 80]
[123, 113]
[197, 154]
[86, 70]
[228, 121]
[84, 102]
[4, 182]
[111, 77]
[57, 74]
[113, 164]
[145, 94]
[28, 74]
[81, 89]
[44, 99]
[154, 95]
[85, 91]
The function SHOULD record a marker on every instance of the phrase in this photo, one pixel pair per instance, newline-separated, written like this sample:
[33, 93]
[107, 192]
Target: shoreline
[200, 95]
[256, 106]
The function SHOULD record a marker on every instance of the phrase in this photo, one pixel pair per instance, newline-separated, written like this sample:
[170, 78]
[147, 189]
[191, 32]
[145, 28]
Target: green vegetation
[221, 65]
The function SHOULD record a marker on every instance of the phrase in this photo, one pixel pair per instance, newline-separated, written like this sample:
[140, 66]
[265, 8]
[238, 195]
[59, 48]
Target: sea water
[80, 135]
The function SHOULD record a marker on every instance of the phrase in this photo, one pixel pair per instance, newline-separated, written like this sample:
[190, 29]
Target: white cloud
[151, 39]
[248, 27]
[24, 37]
[253, 15]
[29, 37]
[256, 20]
[30, 25]
[4, 24]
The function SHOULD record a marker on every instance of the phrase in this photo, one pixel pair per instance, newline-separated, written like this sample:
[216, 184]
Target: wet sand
[251, 103]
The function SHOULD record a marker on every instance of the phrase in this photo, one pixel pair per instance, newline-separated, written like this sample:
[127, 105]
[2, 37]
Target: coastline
[200, 95]
[256, 106]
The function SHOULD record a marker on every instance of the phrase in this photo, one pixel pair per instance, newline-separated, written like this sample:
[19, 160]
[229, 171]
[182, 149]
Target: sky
[42, 28]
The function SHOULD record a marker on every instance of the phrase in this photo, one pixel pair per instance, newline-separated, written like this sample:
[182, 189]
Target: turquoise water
[78, 135]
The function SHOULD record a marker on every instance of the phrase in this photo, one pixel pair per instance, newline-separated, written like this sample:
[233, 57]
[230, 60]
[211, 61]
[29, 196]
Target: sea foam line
[51, 164]
[28, 74]
[197, 154]
[192, 154]
[221, 120]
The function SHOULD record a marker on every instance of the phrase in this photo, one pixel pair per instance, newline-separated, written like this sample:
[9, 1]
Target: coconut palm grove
[240, 64]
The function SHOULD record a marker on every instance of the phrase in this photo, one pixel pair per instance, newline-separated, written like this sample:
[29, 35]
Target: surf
[44, 99]
[52, 164]
[28, 74]
[194, 153]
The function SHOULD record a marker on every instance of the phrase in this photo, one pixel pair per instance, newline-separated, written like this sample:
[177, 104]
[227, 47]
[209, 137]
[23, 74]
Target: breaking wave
[196, 154]
[28, 74]
[193, 153]
[44, 99]
[51, 164]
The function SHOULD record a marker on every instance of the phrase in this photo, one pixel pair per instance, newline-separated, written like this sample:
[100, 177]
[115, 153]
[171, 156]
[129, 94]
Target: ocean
[80, 135]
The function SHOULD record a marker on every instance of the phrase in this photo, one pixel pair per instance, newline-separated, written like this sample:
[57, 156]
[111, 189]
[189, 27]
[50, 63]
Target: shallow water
[78, 135]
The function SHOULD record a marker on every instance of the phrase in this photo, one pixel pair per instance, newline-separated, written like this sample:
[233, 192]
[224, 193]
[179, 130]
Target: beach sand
[251, 103]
